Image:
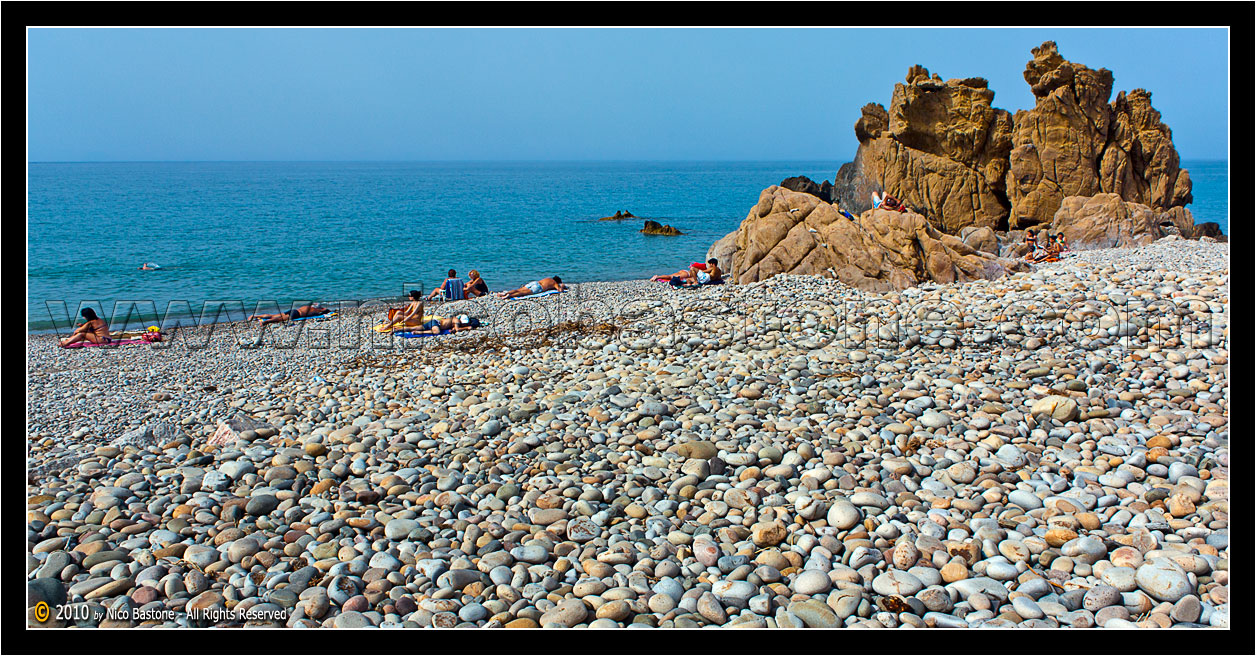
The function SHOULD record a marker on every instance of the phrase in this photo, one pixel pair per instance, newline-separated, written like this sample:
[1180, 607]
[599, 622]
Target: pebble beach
[1049, 449]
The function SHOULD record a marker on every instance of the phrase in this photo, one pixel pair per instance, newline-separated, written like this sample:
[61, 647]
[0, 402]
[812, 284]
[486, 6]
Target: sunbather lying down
[303, 311]
[697, 273]
[535, 287]
[438, 325]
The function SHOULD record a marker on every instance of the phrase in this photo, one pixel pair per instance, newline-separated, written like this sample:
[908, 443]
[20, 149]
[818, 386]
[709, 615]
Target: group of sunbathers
[452, 288]
[1054, 248]
[411, 318]
[697, 274]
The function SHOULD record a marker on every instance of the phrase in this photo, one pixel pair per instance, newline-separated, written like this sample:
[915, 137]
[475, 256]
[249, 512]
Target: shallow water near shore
[262, 235]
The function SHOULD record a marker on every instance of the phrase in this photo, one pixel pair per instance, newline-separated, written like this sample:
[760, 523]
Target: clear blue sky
[563, 94]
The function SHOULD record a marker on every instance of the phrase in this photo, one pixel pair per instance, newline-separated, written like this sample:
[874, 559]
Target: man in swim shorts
[303, 311]
[535, 287]
[451, 287]
[454, 324]
[711, 273]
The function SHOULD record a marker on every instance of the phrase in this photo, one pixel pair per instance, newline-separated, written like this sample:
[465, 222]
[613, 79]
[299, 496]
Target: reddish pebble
[144, 595]
[357, 603]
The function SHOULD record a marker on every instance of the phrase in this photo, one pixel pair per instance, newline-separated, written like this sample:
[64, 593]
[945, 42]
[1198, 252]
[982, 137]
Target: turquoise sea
[279, 232]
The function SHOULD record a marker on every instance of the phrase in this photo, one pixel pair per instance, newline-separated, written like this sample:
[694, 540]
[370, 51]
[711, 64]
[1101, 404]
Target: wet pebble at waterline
[765, 456]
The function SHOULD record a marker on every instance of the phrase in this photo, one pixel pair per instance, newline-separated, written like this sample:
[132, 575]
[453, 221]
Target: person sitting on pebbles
[93, 330]
[451, 288]
[535, 287]
[1031, 243]
[412, 312]
[475, 287]
[299, 313]
[453, 324]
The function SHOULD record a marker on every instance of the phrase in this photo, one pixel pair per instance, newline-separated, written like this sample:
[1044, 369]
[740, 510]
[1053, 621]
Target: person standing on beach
[452, 288]
[535, 287]
[93, 330]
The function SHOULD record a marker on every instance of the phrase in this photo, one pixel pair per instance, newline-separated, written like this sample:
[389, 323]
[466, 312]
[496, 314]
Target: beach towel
[544, 293]
[114, 342]
[407, 326]
[680, 285]
[317, 316]
[409, 335]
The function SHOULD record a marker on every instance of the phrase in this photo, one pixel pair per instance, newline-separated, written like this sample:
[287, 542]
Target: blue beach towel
[452, 290]
[411, 335]
[317, 316]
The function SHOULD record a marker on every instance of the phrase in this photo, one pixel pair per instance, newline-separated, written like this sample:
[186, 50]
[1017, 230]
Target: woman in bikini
[412, 312]
[93, 330]
[1031, 240]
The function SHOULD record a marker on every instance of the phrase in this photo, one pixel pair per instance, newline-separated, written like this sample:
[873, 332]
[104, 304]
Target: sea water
[265, 235]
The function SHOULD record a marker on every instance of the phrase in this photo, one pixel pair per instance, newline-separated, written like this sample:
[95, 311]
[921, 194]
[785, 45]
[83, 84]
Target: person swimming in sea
[148, 266]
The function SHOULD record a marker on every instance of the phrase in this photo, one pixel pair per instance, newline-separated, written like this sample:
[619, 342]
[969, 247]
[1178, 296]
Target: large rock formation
[944, 150]
[1108, 221]
[1074, 143]
[823, 191]
[797, 233]
[941, 149]
[656, 228]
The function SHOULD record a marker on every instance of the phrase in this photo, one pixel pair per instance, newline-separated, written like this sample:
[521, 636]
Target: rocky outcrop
[941, 148]
[1208, 229]
[1074, 143]
[1140, 163]
[619, 216]
[797, 233]
[1108, 221]
[981, 239]
[945, 151]
[724, 252]
[801, 183]
[656, 228]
